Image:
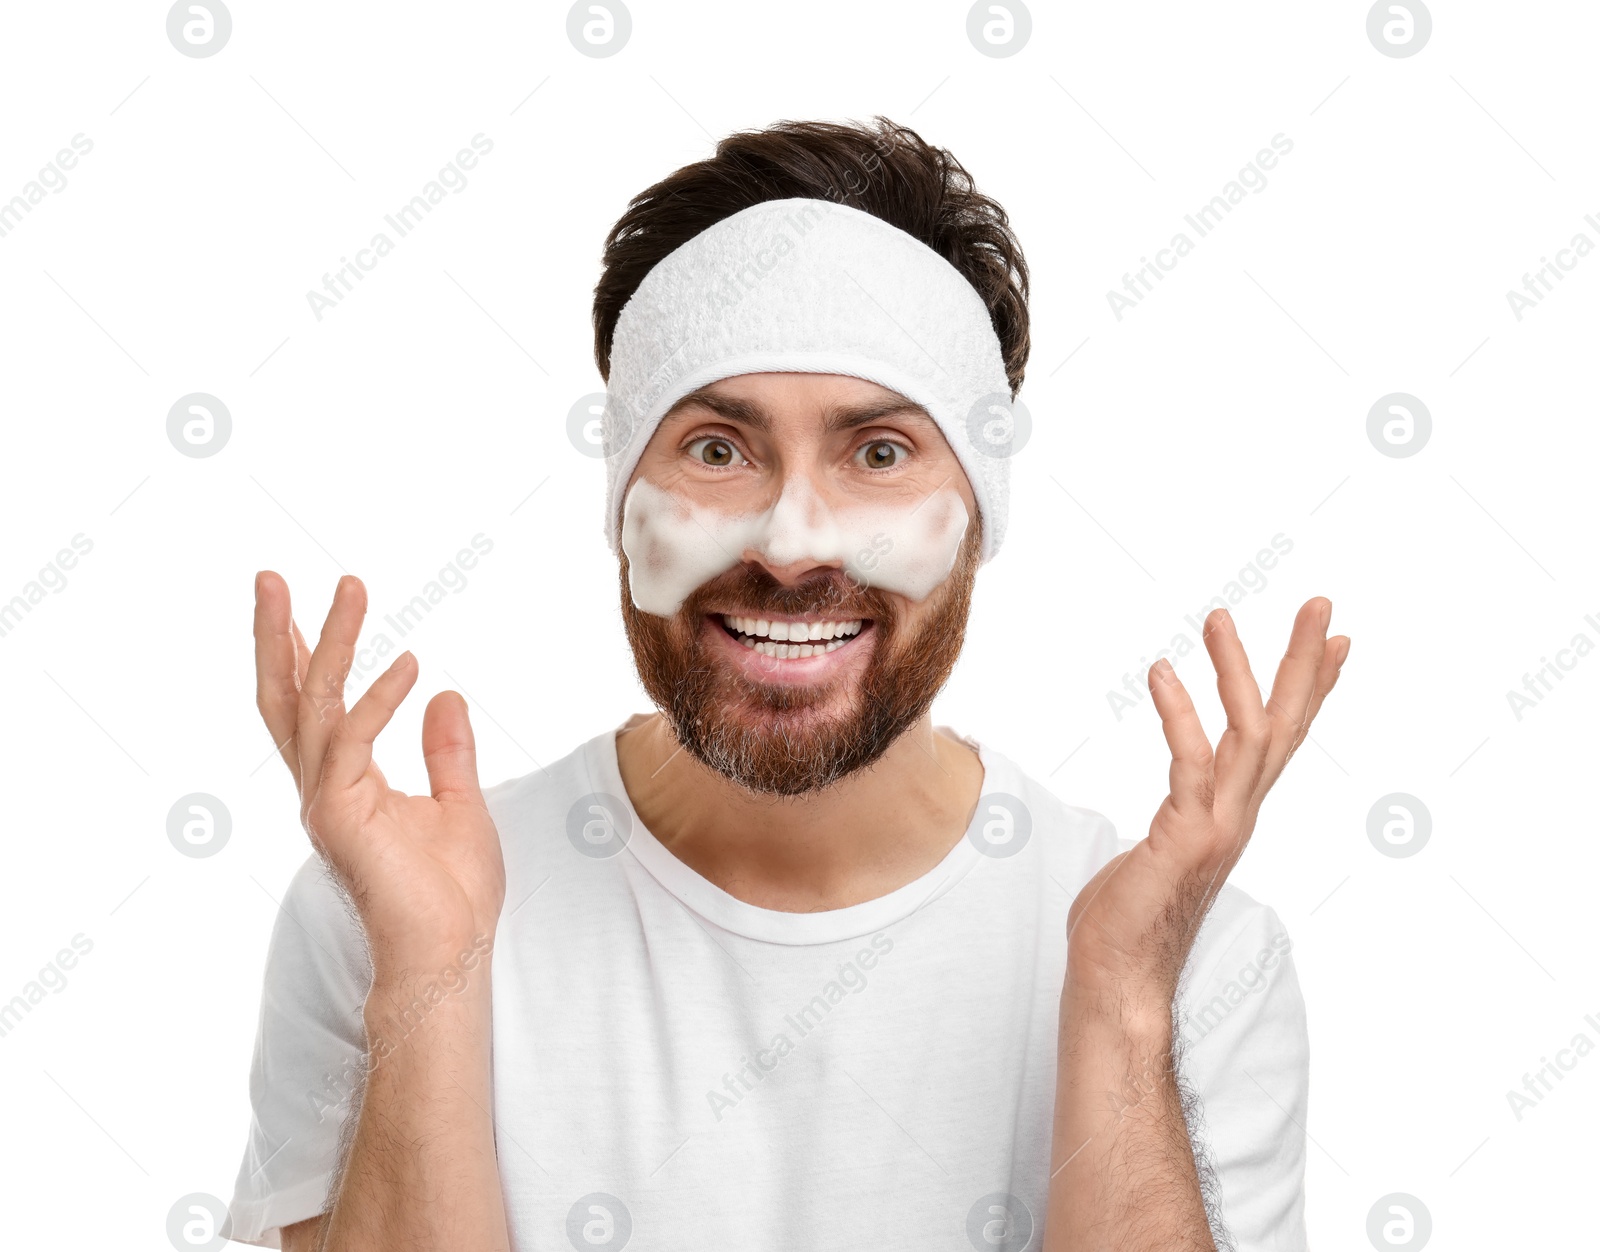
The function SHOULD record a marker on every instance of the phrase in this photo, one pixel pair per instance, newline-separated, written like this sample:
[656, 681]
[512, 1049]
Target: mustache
[749, 588]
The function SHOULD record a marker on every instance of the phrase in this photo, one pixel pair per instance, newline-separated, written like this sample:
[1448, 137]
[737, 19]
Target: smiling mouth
[794, 638]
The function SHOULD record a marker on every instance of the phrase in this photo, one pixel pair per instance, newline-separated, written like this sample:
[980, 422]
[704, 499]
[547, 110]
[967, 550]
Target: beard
[786, 739]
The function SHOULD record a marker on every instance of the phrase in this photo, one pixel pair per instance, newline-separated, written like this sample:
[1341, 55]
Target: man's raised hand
[1132, 925]
[425, 872]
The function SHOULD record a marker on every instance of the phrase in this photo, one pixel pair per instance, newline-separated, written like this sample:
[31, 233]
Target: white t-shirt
[677, 1069]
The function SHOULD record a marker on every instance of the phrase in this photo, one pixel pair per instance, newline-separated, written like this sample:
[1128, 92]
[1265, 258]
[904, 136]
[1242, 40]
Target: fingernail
[1163, 669]
[1327, 614]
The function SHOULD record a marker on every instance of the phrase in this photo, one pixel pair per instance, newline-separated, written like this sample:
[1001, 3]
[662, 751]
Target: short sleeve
[309, 1056]
[1241, 1021]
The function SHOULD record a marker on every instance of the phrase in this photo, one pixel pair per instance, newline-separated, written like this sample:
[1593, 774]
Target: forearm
[421, 1171]
[1124, 1177]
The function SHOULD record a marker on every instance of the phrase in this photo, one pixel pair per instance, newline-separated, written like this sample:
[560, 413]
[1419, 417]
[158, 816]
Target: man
[783, 964]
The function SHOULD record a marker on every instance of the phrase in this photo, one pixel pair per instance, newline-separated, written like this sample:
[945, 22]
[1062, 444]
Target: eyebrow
[835, 417]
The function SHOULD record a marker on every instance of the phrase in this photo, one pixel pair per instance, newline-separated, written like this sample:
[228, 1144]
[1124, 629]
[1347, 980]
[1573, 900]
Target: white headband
[810, 286]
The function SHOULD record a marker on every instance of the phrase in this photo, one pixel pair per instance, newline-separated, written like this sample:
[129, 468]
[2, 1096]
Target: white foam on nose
[675, 544]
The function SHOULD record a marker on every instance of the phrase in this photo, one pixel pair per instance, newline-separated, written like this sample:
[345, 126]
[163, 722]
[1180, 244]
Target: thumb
[450, 751]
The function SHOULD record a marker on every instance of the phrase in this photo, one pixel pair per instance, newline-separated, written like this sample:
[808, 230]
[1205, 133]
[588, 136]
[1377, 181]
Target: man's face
[781, 725]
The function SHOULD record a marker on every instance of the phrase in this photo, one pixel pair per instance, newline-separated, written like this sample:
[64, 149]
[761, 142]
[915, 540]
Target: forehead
[836, 401]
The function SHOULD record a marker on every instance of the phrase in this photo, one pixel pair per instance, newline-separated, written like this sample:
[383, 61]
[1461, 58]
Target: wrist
[1115, 1060]
[1140, 1018]
[406, 991]
[399, 968]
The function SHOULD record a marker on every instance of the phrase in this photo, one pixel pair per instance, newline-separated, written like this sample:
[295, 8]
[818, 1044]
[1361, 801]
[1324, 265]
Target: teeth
[763, 629]
[791, 651]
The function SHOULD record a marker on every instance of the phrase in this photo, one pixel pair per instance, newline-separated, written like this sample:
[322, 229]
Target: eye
[716, 451]
[881, 454]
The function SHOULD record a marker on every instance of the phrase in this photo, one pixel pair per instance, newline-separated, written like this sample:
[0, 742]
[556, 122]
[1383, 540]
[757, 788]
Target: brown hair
[884, 169]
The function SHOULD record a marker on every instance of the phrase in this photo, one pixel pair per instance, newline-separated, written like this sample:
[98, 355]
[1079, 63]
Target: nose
[798, 534]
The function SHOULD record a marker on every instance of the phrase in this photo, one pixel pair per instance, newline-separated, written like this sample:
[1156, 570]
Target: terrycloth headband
[811, 286]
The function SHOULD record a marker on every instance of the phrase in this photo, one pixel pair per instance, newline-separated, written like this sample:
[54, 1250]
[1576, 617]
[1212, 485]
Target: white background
[1168, 447]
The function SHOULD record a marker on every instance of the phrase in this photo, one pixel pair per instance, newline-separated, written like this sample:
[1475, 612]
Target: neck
[867, 835]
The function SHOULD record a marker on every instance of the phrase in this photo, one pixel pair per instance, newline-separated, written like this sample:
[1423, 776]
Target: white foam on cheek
[670, 549]
[908, 550]
[674, 545]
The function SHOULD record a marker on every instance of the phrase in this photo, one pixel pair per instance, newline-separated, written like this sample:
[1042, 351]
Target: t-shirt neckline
[704, 897]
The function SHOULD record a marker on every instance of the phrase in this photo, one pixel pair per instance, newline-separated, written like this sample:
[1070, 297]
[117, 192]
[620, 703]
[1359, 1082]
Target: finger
[450, 751]
[277, 670]
[302, 655]
[1189, 780]
[1333, 656]
[1288, 709]
[349, 752]
[1242, 749]
[1332, 663]
[322, 695]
